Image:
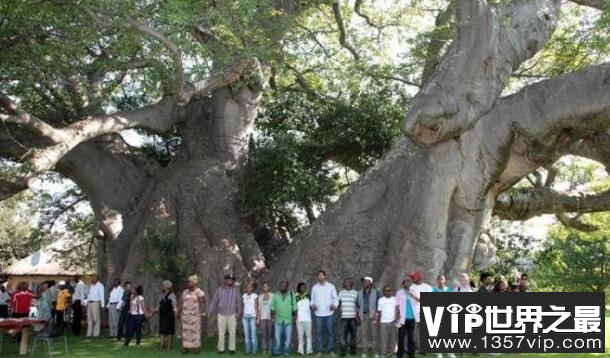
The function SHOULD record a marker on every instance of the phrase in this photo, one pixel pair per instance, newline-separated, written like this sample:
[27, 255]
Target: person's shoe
[231, 352]
[221, 352]
[332, 354]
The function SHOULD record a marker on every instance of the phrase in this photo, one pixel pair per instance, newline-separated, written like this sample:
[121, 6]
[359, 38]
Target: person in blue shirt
[441, 284]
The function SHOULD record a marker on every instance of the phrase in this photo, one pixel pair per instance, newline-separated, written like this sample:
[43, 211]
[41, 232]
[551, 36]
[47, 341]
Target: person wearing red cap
[416, 289]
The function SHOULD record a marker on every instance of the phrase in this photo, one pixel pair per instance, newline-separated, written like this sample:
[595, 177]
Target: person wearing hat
[227, 303]
[167, 307]
[190, 311]
[365, 314]
[417, 288]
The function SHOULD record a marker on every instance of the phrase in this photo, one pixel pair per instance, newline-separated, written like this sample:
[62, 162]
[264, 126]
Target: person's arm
[240, 305]
[214, 304]
[334, 297]
[314, 297]
[273, 308]
[180, 306]
[103, 298]
[201, 300]
[257, 309]
[397, 315]
[414, 293]
[172, 298]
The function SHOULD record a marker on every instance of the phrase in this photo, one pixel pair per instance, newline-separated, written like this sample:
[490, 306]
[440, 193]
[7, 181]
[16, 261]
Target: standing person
[324, 302]
[347, 302]
[407, 304]
[418, 287]
[21, 301]
[250, 300]
[387, 315]
[367, 310]
[167, 307]
[62, 304]
[283, 307]
[464, 284]
[264, 318]
[116, 295]
[77, 305]
[53, 291]
[5, 300]
[441, 284]
[487, 284]
[501, 286]
[227, 304]
[44, 302]
[190, 311]
[95, 302]
[137, 315]
[305, 345]
[123, 309]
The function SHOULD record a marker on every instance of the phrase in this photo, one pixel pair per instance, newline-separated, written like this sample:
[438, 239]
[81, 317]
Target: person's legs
[330, 328]
[222, 331]
[90, 320]
[352, 332]
[77, 317]
[247, 335]
[402, 331]
[319, 333]
[232, 325]
[288, 338]
[113, 320]
[96, 317]
[364, 334]
[139, 321]
[344, 334]
[253, 330]
[277, 332]
[383, 338]
[410, 324]
[416, 337]
[131, 326]
[308, 338]
[300, 337]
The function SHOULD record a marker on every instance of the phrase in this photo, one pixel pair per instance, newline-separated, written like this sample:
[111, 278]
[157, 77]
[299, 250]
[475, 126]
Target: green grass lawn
[106, 348]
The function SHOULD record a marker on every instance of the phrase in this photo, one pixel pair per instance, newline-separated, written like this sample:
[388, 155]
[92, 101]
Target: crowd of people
[386, 321]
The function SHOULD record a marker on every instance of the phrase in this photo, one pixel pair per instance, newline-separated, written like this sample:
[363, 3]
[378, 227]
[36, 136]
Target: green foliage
[576, 261]
[162, 257]
[16, 229]
[302, 138]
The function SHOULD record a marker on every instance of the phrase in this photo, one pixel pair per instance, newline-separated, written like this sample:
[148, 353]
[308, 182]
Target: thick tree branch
[525, 204]
[575, 223]
[342, 31]
[597, 4]
[491, 41]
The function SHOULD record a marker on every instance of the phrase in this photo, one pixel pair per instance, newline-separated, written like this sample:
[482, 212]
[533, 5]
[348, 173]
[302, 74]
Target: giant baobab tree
[200, 69]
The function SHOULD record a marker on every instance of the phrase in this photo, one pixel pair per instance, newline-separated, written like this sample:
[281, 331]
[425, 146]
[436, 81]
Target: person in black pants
[407, 328]
[137, 316]
[124, 307]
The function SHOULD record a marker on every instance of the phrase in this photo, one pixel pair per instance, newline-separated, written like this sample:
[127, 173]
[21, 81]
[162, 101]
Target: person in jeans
[228, 304]
[347, 302]
[303, 320]
[406, 318]
[264, 318]
[387, 315]
[441, 286]
[366, 312]
[250, 300]
[137, 315]
[324, 302]
[283, 307]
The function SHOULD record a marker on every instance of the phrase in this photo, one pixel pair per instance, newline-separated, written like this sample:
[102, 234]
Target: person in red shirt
[22, 300]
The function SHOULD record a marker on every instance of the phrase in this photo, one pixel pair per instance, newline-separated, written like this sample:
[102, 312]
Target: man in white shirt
[324, 302]
[464, 284]
[95, 302]
[78, 299]
[116, 295]
[416, 289]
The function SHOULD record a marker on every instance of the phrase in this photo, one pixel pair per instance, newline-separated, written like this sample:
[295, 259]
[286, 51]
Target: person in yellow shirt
[63, 302]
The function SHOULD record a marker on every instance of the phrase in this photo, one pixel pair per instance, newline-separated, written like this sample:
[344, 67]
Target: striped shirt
[227, 301]
[347, 299]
